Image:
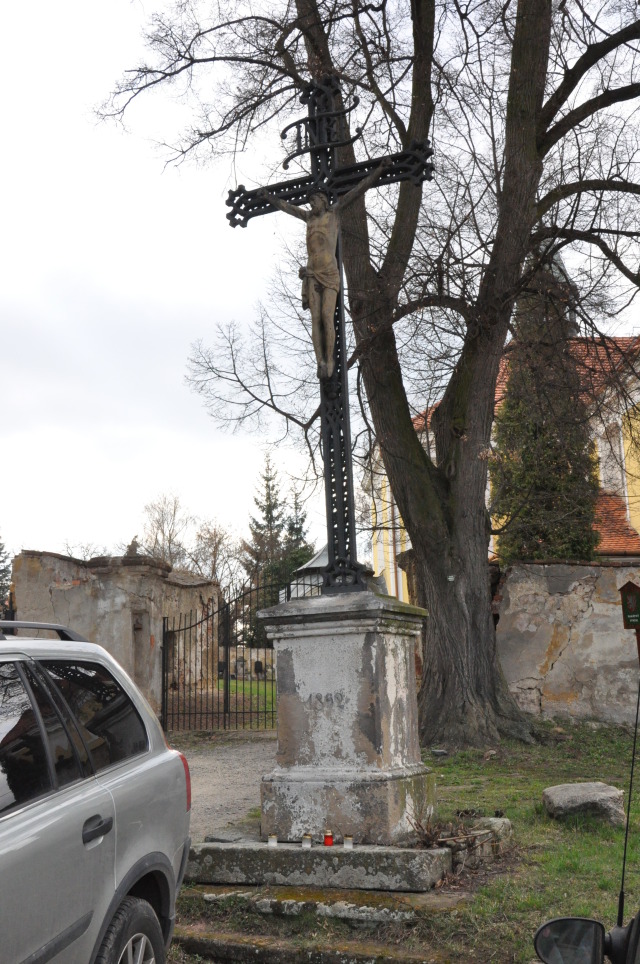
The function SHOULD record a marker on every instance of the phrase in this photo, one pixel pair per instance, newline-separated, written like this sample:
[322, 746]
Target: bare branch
[591, 56]
[588, 185]
[583, 112]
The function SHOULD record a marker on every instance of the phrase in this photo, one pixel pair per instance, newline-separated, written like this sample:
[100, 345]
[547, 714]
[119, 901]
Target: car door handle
[96, 827]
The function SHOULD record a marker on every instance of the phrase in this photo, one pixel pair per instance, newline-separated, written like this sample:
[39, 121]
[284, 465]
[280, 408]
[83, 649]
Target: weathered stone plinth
[348, 754]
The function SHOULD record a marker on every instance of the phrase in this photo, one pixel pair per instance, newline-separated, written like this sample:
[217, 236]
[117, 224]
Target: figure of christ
[321, 277]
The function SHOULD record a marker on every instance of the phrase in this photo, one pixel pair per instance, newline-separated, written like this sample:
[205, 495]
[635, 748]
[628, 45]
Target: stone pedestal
[348, 753]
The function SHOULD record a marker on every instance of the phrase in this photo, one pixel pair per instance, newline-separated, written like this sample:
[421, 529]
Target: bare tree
[203, 547]
[532, 108]
[215, 554]
[84, 550]
[166, 530]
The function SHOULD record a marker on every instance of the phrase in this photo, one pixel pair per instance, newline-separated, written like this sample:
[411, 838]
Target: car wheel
[133, 936]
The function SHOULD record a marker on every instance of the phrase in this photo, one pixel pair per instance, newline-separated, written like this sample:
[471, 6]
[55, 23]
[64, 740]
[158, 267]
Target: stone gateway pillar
[348, 753]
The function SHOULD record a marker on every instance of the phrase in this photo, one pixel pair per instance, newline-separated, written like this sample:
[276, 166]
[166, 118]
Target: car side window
[63, 755]
[107, 719]
[24, 767]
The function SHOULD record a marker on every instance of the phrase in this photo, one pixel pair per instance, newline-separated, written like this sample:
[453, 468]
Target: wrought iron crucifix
[327, 190]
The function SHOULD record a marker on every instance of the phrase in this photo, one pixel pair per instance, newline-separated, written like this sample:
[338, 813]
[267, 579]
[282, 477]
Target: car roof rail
[9, 626]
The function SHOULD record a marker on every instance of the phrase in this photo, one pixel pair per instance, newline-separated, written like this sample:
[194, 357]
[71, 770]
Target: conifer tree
[5, 576]
[544, 478]
[266, 546]
[297, 550]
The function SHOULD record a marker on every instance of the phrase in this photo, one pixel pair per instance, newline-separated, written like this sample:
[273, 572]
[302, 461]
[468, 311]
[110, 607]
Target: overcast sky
[111, 266]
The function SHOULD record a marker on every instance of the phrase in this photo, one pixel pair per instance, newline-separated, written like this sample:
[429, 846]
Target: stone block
[599, 799]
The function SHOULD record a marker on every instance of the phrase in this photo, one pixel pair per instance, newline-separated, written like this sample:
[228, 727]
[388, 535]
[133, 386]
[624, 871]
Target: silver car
[94, 808]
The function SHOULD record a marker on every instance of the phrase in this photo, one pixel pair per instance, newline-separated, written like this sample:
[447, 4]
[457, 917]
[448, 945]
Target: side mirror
[570, 940]
[632, 955]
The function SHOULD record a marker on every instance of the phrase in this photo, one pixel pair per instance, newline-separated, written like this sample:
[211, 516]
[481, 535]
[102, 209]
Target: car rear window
[107, 719]
[24, 768]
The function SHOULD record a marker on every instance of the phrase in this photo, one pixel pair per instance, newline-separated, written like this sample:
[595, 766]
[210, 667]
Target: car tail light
[187, 776]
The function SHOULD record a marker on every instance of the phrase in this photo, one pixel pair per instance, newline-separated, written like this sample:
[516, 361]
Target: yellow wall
[389, 540]
[632, 469]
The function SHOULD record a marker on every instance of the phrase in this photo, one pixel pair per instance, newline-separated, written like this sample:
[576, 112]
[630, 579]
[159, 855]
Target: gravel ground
[226, 770]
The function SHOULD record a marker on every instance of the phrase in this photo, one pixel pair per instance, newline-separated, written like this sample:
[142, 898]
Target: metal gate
[218, 667]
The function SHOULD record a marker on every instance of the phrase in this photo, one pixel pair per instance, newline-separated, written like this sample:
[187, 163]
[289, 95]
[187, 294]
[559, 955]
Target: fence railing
[219, 668]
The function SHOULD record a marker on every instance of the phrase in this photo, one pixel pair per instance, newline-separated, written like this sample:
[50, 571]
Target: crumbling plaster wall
[561, 640]
[118, 602]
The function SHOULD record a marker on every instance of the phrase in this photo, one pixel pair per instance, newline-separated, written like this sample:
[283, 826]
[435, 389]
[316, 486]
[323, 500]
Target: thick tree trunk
[464, 698]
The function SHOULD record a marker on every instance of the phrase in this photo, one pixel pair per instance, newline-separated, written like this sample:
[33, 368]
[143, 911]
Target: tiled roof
[422, 417]
[598, 359]
[419, 420]
[617, 536]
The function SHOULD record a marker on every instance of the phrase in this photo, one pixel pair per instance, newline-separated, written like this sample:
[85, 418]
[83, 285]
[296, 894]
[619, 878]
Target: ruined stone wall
[117, 602]
[561, 640]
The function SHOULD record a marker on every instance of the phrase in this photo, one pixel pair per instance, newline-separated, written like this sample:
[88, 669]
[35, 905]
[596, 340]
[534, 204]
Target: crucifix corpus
[328, 190]
[322, 277]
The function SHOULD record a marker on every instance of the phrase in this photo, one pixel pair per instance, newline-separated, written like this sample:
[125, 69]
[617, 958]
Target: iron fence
[218, 666]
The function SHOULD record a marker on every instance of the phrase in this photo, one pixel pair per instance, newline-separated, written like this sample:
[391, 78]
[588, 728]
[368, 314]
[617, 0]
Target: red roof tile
[597, 358]
[617, 535]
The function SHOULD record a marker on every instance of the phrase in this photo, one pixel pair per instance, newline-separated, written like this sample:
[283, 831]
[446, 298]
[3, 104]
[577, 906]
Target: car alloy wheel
[134, 936]
[138, 950]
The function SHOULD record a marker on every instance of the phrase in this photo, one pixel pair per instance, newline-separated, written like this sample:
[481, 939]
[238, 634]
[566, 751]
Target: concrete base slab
[355, 914]
[363, 868]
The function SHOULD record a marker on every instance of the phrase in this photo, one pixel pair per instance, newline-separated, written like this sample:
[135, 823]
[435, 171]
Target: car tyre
[134, 934]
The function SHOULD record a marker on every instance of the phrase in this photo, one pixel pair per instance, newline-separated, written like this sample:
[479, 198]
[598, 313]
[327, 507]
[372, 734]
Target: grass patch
[556, 869]
[567, 868]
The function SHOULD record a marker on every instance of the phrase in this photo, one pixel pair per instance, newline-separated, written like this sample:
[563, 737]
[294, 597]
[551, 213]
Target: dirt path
[226, 770]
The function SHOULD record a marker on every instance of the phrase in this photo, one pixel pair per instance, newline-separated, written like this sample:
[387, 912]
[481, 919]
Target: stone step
[363, 868]
[358, 908]
[238, 949]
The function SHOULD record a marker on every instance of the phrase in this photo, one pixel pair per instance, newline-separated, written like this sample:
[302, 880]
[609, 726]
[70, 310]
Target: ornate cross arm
[410, 165]
[251, 204]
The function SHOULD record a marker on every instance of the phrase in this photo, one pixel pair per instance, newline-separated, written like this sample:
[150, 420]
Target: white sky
[111, 268]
